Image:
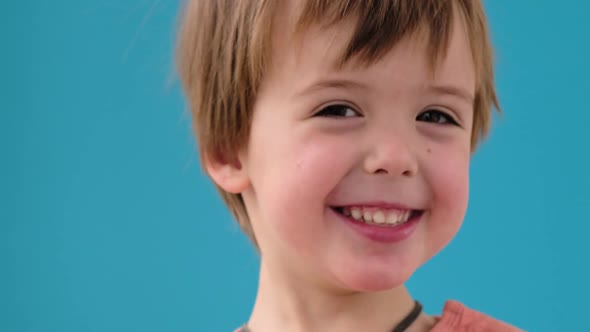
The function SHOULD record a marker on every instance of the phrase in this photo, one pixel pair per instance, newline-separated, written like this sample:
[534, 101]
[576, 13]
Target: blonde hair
[224, 50]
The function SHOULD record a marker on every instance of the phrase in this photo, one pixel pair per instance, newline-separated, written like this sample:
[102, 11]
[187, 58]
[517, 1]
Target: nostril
[381, 171]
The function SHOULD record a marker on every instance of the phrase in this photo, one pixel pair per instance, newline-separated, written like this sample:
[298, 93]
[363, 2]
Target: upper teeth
[378, 216]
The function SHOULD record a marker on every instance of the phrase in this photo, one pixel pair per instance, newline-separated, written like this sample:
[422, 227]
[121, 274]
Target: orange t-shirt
[458, 318]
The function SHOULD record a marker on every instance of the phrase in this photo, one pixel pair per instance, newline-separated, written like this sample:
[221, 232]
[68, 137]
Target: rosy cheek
[448, 173]
[306, 176]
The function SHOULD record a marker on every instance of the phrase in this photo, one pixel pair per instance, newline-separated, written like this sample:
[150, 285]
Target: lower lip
[382, 234]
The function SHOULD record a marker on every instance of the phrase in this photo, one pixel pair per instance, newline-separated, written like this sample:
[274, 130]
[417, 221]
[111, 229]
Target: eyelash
[446, 118]
[335, 111]
[350, 111]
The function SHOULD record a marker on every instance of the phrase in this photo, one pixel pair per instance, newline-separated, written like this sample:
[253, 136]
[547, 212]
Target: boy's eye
[437, 117]
[337, 111]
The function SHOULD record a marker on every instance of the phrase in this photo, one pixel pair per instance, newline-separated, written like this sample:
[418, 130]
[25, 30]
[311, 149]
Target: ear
[227, 173]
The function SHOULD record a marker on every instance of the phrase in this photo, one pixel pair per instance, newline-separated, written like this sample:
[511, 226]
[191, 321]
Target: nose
[391, 155]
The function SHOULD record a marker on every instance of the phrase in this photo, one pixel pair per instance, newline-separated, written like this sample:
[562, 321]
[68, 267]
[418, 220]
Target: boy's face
[327, 145]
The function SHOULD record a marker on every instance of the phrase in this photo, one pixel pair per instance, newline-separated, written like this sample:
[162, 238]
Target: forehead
[323, 49]
[374, 26]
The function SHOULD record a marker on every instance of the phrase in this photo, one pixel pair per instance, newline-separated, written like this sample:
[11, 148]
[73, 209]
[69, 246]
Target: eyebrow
[334, 84]
[452, 91]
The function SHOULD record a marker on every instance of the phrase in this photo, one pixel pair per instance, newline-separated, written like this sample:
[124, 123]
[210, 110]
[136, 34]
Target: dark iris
[435, 116]
[338, 110]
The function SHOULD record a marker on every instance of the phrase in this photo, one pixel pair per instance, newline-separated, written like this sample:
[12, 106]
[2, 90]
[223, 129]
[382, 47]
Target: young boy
[339, 133]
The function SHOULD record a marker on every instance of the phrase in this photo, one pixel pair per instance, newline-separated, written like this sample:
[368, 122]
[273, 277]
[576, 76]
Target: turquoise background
[108, 224]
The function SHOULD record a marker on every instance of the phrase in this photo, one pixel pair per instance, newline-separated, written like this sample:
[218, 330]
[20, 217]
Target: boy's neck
[288, 305]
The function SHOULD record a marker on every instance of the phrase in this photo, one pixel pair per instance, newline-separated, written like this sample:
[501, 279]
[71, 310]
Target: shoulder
[458, 317]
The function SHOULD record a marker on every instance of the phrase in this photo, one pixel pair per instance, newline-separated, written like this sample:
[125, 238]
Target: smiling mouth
[378, 216]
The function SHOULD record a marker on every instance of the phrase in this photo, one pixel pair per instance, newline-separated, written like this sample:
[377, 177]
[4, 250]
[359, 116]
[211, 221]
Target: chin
[363, 281]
